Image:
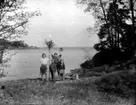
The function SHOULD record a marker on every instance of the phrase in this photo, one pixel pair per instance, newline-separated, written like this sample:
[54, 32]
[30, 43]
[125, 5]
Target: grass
[35, 92]
[120, 83]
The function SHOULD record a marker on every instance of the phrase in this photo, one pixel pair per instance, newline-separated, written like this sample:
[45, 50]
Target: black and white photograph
[67, 52]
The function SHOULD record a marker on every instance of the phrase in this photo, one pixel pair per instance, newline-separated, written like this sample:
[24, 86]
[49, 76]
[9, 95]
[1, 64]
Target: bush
[121, 83]
[86, 65]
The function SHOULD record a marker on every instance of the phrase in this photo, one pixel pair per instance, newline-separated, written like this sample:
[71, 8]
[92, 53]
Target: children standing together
[49, 67]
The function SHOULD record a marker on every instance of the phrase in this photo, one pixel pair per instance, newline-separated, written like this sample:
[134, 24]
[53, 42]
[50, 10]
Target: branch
[7, 9]
[13, 27]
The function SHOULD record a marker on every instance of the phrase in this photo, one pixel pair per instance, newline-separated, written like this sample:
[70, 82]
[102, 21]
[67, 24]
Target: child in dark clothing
[52, 69]
[62, 69]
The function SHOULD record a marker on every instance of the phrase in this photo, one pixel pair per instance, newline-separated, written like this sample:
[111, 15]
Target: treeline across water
[16, 44]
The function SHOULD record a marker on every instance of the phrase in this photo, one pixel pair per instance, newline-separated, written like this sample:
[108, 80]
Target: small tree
[50, 44]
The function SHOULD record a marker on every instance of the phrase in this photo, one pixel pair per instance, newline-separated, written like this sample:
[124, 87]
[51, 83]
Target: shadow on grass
[121, 84]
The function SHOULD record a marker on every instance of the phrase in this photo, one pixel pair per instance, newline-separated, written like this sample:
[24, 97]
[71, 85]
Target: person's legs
[53, 75]
[46, 72]
[42, 77]
[61, 77]
[61, 74]
[51, 72]
[64, 75]
[58, 69]
[47, 75]
[58, 72]
[41, 72]
[46, 78]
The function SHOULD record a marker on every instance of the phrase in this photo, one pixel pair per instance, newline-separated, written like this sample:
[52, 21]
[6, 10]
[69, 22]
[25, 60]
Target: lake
[26, 63]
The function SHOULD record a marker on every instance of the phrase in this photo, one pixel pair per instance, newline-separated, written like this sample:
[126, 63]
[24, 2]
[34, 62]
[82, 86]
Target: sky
[62, 21]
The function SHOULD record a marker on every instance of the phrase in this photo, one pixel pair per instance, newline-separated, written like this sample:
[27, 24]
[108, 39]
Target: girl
[44, 67]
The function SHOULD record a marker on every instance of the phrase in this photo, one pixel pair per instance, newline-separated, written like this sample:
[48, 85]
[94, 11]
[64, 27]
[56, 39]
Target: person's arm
[49, 62]
[52, 56]
[41, 60]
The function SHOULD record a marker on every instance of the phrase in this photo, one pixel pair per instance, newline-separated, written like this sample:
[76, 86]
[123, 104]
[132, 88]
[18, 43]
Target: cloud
[63, 20]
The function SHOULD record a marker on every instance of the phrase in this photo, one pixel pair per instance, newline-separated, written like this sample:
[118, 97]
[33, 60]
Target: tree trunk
[49, 51]
[104, 14]
[131, 4]
[118, 41]
[1, 55]
[105, 18]
[103, 11]
[133, 28]
[116, 24]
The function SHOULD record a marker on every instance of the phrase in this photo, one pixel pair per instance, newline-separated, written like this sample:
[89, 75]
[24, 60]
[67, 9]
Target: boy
[52, 69]
[62, 69]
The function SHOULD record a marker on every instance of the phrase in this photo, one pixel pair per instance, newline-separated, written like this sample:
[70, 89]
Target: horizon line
[67, 46]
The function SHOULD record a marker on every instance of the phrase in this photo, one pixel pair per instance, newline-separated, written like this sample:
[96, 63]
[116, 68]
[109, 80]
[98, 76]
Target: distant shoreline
[65, 47]
[23, 48]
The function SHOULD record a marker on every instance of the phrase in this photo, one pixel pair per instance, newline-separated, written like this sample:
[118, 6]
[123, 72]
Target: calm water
[26, 63]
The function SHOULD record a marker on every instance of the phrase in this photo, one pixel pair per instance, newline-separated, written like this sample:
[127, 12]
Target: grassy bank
[34, 91]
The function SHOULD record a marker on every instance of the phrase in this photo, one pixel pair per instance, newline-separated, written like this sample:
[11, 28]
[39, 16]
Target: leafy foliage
[14, 17]
[18, 44]
[86, 65]
[113, 30]
[50, 44]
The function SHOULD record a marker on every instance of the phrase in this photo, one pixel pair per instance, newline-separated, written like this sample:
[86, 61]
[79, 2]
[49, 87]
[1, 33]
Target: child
[52, 69]
[44, 67]
[62, 69]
